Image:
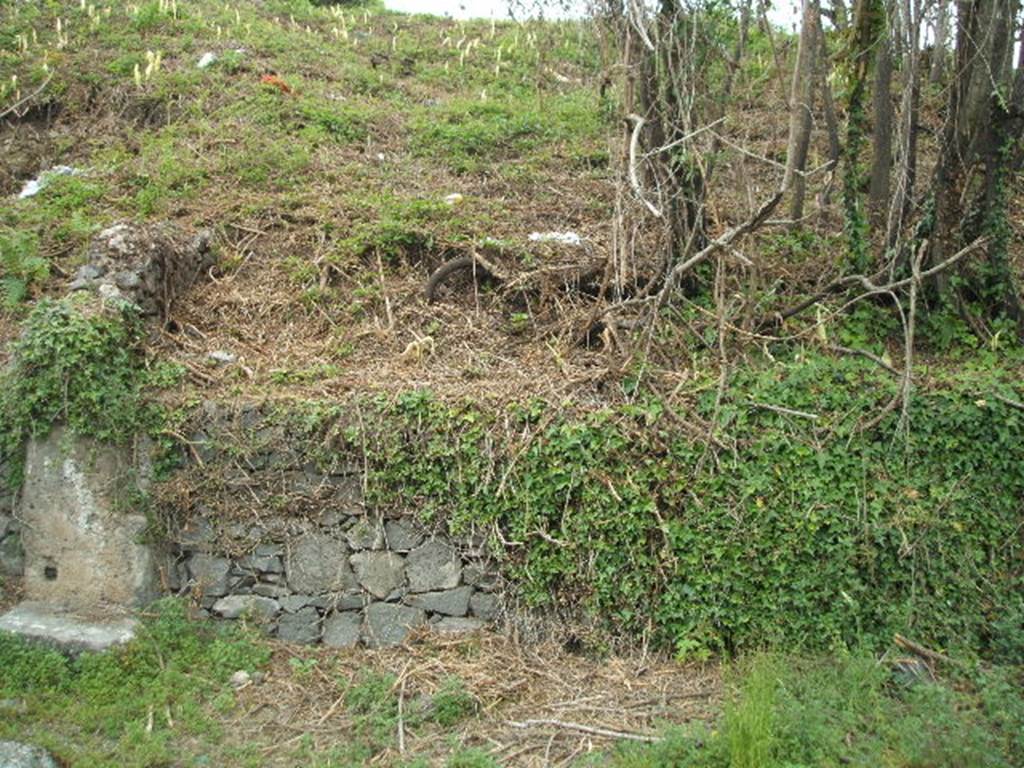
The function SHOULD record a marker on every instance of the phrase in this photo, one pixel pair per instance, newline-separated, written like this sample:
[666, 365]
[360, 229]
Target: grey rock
[458, 625]
[341, 630]
[293, 603]
[303, 626]
[389, 624]
[317, 563]
[210, 573]
[365, 534]
[451, 602]
[354, 601]
[89, 272]
[480, 577]
[15, 755]
[5, 524]
[484, 606]
[234, 606]
[58, 628]
[240, 679]
[17, 706]
[275, 591]
[12, 556]
[262, 563]
[379, 573]
[433, 566]
[198, 535]
[403, 535]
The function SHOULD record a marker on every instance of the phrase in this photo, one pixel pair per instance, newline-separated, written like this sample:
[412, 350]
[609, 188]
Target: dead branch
[18, 104]
[919, 650]
[634, 178]
[607, 732]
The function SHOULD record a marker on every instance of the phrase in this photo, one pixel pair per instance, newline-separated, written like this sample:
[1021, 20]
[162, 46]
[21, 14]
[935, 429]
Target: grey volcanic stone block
[480, 577]
[403, 535]
[342, 630]
[15, 755]
[433, 566]
[276, 591]
[366, 534]
[379, 573]
[389, 624]
[210, 573]
[451, 602]
[65, 631]
[317, 563]
[233, 606]
[303, 626]
[197, 535]
[484, 606]
[263, 560]
[457, 625]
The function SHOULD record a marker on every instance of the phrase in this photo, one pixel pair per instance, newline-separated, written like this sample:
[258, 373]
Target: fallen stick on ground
[587, 729]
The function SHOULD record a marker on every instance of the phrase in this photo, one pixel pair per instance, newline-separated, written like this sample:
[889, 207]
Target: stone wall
[278, 527]
[148, 265]
[363, 580]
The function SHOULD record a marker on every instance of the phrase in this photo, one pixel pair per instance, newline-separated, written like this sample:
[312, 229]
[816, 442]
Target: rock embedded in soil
[457, 625]
[484, 606]
[209, 573]
[16, 755]
[302, 626]
[342, 630]
[388, 624]
[403, 535]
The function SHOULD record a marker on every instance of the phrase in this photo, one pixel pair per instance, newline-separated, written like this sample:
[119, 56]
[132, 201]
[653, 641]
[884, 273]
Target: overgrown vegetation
[789, 712]
[133, 702]
[79, 363]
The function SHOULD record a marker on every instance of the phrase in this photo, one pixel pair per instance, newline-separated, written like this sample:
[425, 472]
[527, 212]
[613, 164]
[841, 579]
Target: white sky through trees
[783, 12]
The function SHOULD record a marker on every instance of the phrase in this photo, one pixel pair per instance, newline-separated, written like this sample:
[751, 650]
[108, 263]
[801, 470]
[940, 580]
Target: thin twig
[607, 732]
[634, 179]
[786, 411]
[14, 107]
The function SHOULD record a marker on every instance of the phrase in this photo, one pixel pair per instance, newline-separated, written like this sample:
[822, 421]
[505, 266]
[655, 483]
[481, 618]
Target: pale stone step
[65, 630]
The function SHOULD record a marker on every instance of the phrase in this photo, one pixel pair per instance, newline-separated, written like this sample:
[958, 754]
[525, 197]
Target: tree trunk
[800, 110]
[906, 174]
[940, 44]
[881, 134]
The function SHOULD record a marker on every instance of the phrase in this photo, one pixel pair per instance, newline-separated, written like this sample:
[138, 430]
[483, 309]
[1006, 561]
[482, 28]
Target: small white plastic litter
[36, 185]
[566, 238]
[207, 59]
[453, 199]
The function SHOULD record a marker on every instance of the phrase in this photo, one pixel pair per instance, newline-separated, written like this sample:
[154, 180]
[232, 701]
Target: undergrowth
[806, 533]
[852, 710]
[133, 701]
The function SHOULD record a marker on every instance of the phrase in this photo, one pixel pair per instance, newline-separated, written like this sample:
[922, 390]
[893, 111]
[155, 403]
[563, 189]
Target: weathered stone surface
[276, 591]
[6, 521]
[12, 556]
[342, 630]
[433, 566]
[317, 563]
[379, 573]
[403, 535]
[293, 603]
[234, 606]
[209, 573]
[389, 624]
[262, 563]
[81, 546]
[198, 535]
[59, 628]
[451, 602]
[354, 601]
[149, 265]
[303, 626]
[15, 755]
[458, 624]
[365, 534]
[480, 577]
[484, 606]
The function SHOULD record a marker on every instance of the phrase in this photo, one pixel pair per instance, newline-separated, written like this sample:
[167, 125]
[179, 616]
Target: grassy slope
[328, 206]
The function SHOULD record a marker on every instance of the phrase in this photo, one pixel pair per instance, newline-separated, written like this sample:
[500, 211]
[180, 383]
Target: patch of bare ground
[535, 705]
